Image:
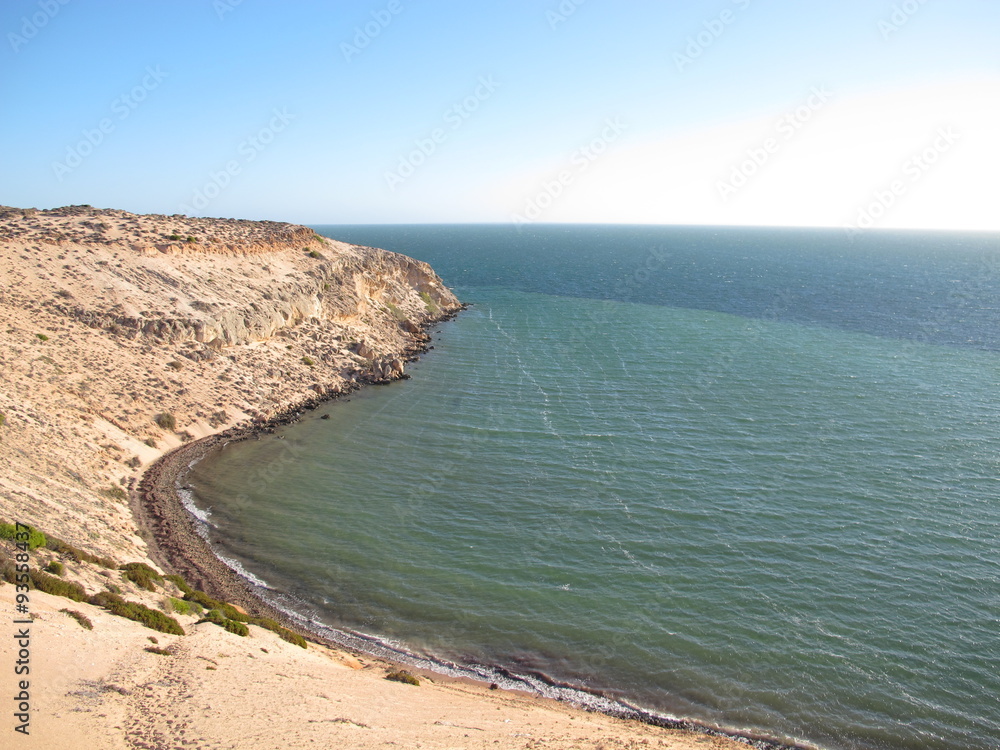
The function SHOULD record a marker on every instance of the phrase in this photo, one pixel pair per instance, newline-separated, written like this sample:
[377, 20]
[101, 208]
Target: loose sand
[101, 690]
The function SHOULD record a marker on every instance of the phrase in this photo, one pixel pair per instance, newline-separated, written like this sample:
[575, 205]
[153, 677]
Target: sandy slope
[101, 690]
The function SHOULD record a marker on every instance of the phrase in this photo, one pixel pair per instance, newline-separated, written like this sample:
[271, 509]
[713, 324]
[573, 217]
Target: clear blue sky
[778, 112]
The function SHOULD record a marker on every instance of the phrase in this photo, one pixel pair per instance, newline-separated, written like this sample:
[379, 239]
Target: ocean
[748, 477]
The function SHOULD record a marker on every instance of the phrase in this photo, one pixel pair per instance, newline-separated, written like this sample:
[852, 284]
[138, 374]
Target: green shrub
[151, 618]
[165, 420]
[80, 618]
[55, 567]
[175, 237]
[3, 419]
[104, 599]
[308, 361]
[141, 575]
[191, 239]
[115, 492]
[237, 627]
[265, 622]
[217, 617]
[202, 598]
[315, 254]
[57, 545]
[292, 637]
[35, 540]
[57, 586]
[42, 337]
[179, 582]
[179, 606]
[430, 304]
[220, 613]
[275, 627]
[402, 676]
[227, 610]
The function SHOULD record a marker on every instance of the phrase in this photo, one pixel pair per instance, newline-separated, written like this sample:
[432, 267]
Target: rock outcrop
[126, 335]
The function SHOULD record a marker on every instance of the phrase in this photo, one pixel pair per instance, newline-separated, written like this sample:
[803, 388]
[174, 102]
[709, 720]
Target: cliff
[124, 336]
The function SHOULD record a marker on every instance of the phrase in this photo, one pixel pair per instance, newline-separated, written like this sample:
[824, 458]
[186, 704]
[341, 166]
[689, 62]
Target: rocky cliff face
[126, 335]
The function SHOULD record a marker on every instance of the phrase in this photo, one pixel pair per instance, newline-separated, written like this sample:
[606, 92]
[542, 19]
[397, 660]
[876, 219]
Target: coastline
[172, 531]
[176, 544]
[131, 354]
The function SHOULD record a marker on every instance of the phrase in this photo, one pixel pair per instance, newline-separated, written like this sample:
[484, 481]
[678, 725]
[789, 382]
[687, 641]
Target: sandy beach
[102, 688]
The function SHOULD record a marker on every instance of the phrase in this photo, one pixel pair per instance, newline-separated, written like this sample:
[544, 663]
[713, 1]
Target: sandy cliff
[125, 335]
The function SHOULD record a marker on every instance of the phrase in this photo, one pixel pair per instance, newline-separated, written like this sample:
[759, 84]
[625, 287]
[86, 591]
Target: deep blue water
[745, 476]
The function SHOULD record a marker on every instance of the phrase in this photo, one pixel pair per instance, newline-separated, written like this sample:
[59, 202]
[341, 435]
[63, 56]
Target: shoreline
[171, 531]
[131, 355]
[176, 544]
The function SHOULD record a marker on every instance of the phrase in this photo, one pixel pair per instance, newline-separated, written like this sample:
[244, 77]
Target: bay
[743, 476]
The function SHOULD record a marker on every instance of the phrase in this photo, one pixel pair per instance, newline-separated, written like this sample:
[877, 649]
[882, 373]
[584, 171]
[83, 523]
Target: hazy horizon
[728, 113]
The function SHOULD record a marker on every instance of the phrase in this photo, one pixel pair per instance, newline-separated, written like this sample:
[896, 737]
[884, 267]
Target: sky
[855, 113]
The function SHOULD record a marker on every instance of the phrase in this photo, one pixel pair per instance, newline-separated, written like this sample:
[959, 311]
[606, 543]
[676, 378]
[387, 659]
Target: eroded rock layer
[124, 336]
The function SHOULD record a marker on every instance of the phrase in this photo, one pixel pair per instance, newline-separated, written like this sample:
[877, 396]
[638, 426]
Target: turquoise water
[772, 508]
